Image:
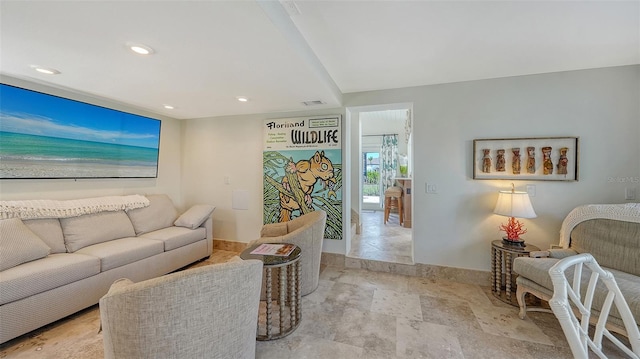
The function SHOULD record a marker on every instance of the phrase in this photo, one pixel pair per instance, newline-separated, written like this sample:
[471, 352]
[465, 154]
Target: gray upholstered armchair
[205, 312]
[307, 232]
[611, 234]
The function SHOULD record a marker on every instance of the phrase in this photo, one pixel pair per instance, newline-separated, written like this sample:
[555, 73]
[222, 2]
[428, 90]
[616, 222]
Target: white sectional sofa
[53, 267]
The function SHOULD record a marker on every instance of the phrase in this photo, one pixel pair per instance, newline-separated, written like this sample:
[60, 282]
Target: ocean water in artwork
[31, 156]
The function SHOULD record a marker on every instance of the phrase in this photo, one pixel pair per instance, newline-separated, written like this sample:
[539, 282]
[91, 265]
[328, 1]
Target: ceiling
[282, 53]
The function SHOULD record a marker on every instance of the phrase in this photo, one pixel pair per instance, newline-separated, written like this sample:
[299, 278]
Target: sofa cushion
[195, 216]
[44, 274]
[90, 229]
[630, 288]
[18, 244]
[614, 244]
[537, 270]
[159, 214]
[119, 252]
[49, 230]
[175, 237]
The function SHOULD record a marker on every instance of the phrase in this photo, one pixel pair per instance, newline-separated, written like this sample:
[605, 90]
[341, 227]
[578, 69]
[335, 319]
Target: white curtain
[388, 160]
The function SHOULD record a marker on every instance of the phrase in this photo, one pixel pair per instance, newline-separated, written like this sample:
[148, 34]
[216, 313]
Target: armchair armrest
[561, 252]
[539, 254]
[558, 253]
[274, 229]
[278, 239]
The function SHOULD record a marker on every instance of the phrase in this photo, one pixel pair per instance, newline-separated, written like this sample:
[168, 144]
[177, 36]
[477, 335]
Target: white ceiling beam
[282, 21]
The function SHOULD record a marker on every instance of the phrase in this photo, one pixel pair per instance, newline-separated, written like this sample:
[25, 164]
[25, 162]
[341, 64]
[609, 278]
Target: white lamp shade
[514, 204]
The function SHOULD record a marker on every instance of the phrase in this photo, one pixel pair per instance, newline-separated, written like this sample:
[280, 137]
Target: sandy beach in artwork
[70, 169]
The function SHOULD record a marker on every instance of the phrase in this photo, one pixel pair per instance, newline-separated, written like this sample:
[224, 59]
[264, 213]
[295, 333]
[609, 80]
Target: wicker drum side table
[280, 300]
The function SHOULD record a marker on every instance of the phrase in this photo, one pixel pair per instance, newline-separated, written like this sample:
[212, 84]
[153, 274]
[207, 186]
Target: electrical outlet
[629, 193]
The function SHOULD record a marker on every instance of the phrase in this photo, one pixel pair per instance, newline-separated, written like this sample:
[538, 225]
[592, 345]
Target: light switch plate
[531, 190]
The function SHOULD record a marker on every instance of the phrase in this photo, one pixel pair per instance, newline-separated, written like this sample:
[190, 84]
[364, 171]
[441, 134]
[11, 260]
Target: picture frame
[533, 158]
[44, 136]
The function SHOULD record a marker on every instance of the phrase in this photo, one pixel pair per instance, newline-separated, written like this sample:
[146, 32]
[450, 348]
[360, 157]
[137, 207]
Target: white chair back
[566, 299]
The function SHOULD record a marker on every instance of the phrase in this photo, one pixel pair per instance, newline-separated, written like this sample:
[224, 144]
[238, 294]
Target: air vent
[313, 103]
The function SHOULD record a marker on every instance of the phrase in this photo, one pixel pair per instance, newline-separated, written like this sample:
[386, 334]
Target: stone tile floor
[356, 313]
[389, 242]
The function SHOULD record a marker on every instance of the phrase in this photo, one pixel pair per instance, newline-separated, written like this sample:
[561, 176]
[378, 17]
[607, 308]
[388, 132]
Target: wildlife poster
[302, 162]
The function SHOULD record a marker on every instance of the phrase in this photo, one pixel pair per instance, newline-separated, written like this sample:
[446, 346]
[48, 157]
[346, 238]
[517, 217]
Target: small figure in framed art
[500, 161]
[515, 162]
[563, 161]
[531, 160]
[547, 165]
[486, 160]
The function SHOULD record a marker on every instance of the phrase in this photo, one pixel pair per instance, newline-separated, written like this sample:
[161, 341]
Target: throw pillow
[90, 229]
[195, 216]
[159, 214]
[49, 230]
[18, 244]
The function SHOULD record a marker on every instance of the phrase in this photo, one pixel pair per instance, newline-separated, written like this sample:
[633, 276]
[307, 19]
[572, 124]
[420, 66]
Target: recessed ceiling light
[140, 49]
[168, 107]
[45, 70]
[242, 99]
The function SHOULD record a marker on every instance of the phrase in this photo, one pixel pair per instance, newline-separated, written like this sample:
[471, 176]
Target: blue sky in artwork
[33, 113]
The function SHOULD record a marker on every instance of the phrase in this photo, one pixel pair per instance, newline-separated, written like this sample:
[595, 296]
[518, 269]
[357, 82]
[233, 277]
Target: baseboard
[460, 275]
[231, 246]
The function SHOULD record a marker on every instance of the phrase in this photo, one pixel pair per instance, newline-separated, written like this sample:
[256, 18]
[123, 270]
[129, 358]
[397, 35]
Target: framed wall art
[302, 161]
[536, 158]
[44, 136]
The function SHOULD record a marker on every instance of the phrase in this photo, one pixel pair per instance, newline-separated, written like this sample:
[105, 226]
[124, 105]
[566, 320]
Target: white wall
[455, 226]
[169, 170]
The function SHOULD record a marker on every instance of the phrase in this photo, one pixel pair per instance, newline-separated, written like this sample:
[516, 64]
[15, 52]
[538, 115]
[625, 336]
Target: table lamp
[514, 204]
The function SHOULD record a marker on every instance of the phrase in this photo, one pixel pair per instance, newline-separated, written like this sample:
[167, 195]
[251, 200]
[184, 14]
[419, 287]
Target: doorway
[378, 127]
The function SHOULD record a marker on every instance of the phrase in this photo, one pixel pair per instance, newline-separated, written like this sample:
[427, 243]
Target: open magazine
[268, 249]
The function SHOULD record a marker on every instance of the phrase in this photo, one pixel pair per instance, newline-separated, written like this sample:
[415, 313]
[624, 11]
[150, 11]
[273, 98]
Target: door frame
[353, 144]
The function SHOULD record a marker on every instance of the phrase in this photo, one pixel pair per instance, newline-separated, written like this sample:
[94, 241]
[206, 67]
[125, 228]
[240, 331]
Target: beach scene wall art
[46, 136]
